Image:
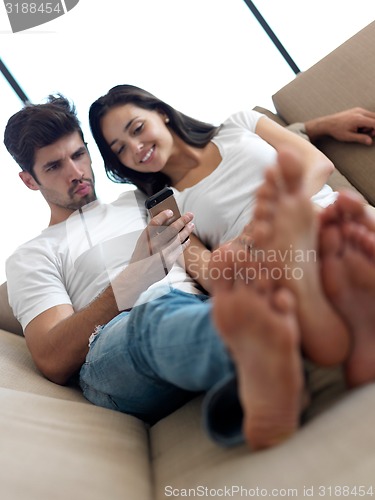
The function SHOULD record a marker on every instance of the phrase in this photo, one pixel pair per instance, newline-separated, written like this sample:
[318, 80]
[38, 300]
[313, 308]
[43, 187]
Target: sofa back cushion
[345, 78]
[7, 320]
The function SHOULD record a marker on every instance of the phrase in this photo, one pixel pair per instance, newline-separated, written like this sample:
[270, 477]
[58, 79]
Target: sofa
[56, 445]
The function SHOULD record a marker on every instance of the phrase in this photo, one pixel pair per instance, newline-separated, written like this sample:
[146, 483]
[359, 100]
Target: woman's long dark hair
[193, 132]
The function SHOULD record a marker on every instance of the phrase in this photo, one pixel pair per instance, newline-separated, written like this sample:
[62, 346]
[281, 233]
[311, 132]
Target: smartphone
[163, 200]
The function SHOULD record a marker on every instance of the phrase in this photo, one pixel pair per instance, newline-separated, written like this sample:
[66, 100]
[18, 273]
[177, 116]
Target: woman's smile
[148, 155]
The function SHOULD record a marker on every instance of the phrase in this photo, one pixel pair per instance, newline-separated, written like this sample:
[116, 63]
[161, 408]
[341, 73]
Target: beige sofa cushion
[61, 450]
[7, 320]
[17, 371]
[335, 448]
[345, 78]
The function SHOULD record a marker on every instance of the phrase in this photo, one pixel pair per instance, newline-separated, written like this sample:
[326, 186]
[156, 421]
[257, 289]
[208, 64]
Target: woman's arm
[197, 258]
[317, 166]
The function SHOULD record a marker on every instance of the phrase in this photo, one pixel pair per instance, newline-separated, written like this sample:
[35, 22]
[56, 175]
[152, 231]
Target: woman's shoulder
[244, 119]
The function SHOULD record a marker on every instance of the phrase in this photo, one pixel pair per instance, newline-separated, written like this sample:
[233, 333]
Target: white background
[207, 58]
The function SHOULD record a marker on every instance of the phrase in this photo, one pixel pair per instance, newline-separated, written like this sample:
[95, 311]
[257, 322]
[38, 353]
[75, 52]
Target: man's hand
[352, 125]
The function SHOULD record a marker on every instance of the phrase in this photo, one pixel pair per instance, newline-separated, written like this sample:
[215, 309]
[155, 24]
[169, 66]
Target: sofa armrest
[7, 320]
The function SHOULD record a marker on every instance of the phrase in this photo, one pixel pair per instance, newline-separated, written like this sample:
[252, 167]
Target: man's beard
[69, 202]
[77, 204]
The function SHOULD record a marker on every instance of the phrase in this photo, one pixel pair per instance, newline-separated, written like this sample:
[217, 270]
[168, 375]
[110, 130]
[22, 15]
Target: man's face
[64, 175]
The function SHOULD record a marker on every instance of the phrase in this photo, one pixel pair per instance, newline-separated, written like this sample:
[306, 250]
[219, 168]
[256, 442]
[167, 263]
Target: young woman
[215, 171]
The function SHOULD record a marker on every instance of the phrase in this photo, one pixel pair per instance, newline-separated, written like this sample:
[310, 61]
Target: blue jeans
[153, 359]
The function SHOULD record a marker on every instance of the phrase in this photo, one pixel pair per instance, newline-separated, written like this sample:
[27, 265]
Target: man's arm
[58, 338]
[352, 125]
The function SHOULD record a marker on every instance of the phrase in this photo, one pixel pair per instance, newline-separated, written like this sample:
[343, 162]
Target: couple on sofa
[103, 294]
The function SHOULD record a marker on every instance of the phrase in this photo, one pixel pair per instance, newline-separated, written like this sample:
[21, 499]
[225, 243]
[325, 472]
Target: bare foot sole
[260, 330]
[285, 230]
[348, 272]
[233, 262]
[350, 206]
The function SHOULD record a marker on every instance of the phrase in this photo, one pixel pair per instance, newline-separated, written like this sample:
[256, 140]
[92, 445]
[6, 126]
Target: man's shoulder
[42, 244]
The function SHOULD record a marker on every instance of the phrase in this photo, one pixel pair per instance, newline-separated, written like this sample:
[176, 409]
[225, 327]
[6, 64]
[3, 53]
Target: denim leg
[152, 360]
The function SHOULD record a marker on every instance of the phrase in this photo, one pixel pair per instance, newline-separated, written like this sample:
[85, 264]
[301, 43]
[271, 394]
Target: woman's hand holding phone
[167, 232]
[156, 251]
[162, 242]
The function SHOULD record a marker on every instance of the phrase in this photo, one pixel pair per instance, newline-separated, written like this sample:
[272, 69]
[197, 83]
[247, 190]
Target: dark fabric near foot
[223, 414]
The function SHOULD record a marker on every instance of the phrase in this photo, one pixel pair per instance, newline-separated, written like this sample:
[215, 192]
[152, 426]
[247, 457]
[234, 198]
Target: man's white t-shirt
[73, 261]
[223, 202]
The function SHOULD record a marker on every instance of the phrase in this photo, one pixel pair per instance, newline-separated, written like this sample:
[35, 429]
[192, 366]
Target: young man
[98, 295]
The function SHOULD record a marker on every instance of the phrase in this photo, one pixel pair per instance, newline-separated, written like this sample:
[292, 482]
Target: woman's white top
[223, 202]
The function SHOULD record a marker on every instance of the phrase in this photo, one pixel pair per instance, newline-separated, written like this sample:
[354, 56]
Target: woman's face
[138, 137]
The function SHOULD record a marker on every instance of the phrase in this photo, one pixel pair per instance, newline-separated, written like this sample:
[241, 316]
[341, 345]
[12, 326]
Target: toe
[291, 170]
[284, 300]
[331, 241]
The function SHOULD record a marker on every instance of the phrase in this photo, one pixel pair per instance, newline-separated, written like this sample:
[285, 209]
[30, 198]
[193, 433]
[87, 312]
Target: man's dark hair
[37, 126]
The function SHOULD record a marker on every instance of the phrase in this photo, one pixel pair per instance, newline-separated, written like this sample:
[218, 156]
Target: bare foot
[229, 263]
[285, 231]
[261, 332]
[349, 206]
[221, 267]
[348, 273]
